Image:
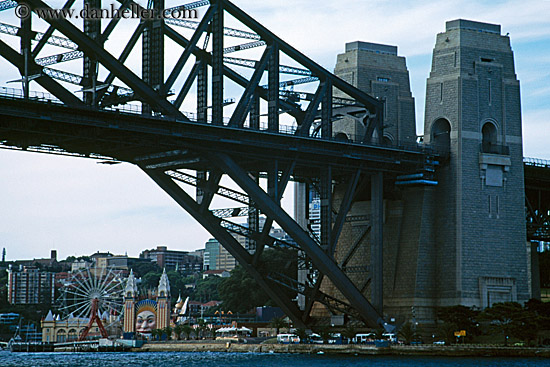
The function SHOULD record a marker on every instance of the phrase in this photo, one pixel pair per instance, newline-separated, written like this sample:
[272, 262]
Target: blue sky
[78, 206]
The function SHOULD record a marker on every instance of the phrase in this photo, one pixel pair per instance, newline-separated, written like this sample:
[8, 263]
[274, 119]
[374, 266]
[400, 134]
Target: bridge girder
[171, 140]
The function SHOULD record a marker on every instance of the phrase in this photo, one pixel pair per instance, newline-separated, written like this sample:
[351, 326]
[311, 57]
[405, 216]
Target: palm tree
[407, 332]
[187, 330]
[349, 333]
[301, 333]
[277, 323]
[178, 329]
[156, 333]
[201, 329]
[168, 331]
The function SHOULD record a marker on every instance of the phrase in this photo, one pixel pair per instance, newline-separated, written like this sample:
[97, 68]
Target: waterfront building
[56, 330]
[29, 285]
[145, 315]
[183, 261]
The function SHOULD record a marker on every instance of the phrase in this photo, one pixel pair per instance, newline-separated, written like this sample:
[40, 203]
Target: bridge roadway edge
[150, 135]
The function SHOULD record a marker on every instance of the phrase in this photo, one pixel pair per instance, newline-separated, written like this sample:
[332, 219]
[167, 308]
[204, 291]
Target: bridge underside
[276, 131]
[537, 199]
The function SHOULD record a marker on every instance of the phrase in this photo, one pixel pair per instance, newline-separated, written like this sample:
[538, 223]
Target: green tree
[187, 330]
[504, 317]
[544, 266]
[141, 268]
[207, 289]
[324, 332]
[349, 333]
[447, 332]
[465, 318]
[156, 334]
[168, 331]
[178, 329]
[150, 280]
[407, 332]
[240, 292]
[302, 334]
[277, 323]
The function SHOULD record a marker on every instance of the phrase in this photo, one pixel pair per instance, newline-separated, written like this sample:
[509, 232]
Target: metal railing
[47, 98]
[537, 162]
[491, 148]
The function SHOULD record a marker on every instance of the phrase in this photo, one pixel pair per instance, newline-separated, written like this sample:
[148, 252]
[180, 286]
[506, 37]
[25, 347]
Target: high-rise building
[216, 257]
[183, 261]
[29, 285]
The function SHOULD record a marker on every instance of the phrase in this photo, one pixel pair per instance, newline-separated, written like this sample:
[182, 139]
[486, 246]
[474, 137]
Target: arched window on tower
[489, 138]
[441, 136]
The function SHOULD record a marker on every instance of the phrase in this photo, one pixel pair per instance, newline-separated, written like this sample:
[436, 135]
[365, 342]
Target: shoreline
[348, 349]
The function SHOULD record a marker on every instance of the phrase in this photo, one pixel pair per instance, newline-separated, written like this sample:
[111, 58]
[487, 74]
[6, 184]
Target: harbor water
[211, 359]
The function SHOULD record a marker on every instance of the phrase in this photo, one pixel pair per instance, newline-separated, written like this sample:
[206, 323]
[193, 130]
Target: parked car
[363, 338]
[288, 339]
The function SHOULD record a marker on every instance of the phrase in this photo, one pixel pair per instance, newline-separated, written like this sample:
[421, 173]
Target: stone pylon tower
[473, 114]
[163, 302]
[130, 295]
[377, 70]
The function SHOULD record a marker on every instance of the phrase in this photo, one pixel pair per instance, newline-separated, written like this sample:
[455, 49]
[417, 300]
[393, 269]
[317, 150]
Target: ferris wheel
[104, 284]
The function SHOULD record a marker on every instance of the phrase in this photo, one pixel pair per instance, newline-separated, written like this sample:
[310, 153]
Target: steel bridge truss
[267, 98]
[537, 199]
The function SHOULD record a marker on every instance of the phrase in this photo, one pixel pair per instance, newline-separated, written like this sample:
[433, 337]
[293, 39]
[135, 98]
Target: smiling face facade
[146, 316]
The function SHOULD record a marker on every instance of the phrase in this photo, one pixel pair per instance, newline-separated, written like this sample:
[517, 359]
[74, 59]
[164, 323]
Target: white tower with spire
[130, 295]
[163, 301]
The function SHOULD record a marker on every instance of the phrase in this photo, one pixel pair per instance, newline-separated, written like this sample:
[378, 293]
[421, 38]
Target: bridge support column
[320, 258]
[377, 240]
[92, 28]
[26, 52]
[153, 53]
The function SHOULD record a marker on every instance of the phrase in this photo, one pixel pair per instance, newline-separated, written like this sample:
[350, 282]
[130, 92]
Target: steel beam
[377, 243]
[153, 55]
[316, 69]
[320, 259]
[120, 71]
[92, 29]
[187, 85]
[211, 223]
[240, 112]
[326, 112]
[189, 49]
[26, 52]
[345, 206]
[123, 56]
[311, 111]
[326, 208]
[202, 92]
[231, 74]
[42, 42]
[45, 81]
[273, 90]
[217, 63]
